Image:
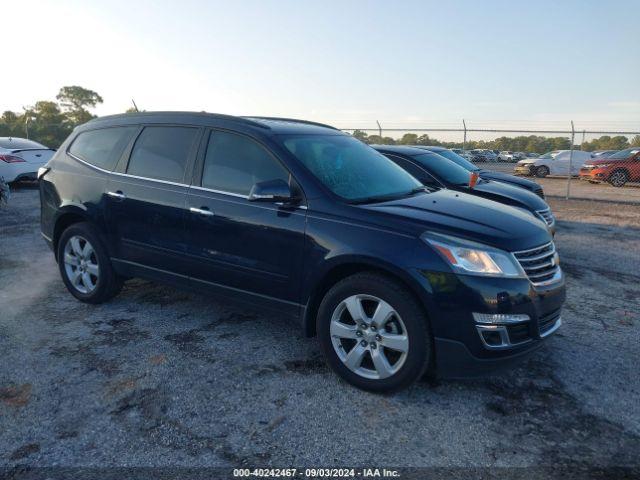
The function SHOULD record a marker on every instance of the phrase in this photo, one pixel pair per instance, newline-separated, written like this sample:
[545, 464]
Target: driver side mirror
[271, 191]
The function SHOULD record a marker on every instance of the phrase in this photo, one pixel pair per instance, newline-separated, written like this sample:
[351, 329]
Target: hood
[505, 177]
[468, 216]
[509, 194]
[527, 161]
[604, 161]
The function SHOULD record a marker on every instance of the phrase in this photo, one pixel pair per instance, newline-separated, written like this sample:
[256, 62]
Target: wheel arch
[68, 215]
[343, 268]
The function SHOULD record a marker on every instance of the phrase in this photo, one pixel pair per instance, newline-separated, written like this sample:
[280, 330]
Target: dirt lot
[160, 377]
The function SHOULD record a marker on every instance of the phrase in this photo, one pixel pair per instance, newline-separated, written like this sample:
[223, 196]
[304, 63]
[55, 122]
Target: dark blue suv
[395, 278]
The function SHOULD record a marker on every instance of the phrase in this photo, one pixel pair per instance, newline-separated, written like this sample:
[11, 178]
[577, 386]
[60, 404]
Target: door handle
[201, 211]
[118, 195]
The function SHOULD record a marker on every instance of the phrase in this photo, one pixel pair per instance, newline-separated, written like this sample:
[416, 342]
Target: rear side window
[162, 152]
[235, 163]
[102, 148]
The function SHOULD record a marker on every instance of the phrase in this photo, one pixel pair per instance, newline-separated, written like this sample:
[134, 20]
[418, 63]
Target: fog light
[500, 318]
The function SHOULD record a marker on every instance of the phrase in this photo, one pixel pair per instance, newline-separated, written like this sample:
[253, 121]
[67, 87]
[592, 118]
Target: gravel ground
[159, 377]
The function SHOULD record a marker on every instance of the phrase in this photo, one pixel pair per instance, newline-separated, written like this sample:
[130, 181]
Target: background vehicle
[434, 170]
[553, 163]
[486, 174]
[617, 169]
[20, 158]
[488, 155]
[505, 156]
[476, 156]
[308, 221]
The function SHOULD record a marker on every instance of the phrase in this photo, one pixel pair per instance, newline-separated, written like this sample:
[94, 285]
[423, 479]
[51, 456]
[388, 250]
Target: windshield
[18, 143]
[349, 168]
[549, 155]
[454, 157]
[625, 153]
[443, 168]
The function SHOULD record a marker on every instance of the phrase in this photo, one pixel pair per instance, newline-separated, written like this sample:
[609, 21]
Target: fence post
[379, 130]
[464, 139]
[573, 135]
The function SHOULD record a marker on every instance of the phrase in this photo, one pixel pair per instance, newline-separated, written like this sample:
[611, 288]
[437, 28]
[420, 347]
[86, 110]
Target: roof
[402, 150]
[272, 124]
[431, 148]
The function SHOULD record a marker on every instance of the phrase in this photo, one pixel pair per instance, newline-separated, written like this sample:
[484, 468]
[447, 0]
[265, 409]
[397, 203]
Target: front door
[146, 200]
[253, 249]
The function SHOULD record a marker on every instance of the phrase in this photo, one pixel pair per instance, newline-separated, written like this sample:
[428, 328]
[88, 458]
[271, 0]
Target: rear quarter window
[103, 147]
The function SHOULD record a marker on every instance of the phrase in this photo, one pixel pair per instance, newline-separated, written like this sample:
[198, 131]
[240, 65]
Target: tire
[618, 178]
[85, 266]
[542, 171]
[406, 328]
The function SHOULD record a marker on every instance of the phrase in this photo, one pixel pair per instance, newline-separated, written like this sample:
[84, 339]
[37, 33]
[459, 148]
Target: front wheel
[618, 178]
[542, 171]
[374, 333]
[85, 266]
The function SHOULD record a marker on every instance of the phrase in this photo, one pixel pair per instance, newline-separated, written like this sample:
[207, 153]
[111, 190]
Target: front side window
[102, 148]
[454, 157]
[235, 163]
[161, 153]
[549, 155]
[349, 168]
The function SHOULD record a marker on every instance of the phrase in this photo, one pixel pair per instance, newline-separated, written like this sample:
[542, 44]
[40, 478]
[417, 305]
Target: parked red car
[618, 169]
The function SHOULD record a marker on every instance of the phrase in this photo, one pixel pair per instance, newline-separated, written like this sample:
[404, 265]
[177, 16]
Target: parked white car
[21, 158]
[552, 163]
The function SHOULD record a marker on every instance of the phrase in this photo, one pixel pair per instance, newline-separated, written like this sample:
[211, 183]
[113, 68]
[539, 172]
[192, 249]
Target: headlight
[604, 165]
[474, 258]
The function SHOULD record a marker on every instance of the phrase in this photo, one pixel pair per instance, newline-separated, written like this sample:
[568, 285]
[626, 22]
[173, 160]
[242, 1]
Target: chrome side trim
[47, 238]
[221, 192]
[166, 182]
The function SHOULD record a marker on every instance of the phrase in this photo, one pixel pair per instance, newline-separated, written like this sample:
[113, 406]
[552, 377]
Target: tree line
[524, 143]
[50, 123]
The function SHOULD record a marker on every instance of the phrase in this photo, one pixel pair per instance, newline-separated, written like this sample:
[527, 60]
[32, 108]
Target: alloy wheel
[618, 179]
[81, 264]
[369, 336]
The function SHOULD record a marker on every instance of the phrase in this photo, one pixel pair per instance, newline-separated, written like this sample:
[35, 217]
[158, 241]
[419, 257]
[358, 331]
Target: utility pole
[379, 130]
[464, 139]
[573, 136]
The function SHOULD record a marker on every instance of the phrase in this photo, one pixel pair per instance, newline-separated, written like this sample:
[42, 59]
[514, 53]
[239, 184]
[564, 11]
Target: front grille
[547, 216]
[539, 263]
[547, 322]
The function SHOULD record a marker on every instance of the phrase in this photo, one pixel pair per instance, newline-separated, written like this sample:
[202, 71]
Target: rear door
[253, 249]
[146, 199]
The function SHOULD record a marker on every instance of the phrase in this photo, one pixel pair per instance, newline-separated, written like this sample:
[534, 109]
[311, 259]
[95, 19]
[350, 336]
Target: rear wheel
[85, 266]
[542, 171]
[374, 333]
[618, 178]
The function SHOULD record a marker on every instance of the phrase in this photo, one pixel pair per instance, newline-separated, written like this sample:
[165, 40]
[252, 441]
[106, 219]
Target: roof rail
[245, 120]
[293, 120]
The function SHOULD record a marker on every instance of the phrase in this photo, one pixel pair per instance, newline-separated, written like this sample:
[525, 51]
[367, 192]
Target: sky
[497, 64]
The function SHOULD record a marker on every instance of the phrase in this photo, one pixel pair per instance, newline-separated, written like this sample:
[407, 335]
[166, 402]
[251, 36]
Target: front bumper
[596, 175]
[524, 169]
[460, 348]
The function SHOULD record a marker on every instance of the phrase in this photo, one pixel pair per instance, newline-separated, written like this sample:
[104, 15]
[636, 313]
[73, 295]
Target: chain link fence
[560, 160]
